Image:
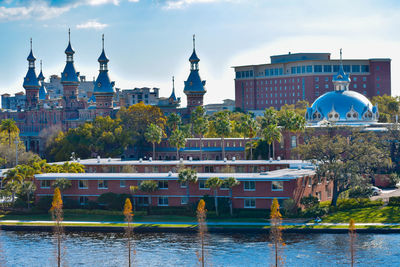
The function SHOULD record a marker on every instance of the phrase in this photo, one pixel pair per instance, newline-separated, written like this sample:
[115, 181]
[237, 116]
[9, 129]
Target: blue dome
[103, 57]
[342, 106]
[69, 75]
[103, 85]
[194, 58]
[69, 50]
[31, 80]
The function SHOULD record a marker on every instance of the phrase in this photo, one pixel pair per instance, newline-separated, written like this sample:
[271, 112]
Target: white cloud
[37, 9]
[133, 1]
[102, 2]
[178, 4]
[91, 24]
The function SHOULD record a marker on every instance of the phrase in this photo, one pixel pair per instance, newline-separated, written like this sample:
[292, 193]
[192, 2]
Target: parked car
[376, 191]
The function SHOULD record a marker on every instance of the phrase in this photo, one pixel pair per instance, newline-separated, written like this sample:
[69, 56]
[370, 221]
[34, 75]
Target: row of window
[163, 184]
[305, 69]
[249, 203]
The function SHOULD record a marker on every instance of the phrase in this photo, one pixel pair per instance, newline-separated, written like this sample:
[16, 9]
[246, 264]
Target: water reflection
[169, 249]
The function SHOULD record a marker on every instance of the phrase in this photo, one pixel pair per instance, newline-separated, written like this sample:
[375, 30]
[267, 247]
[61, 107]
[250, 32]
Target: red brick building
[305, 76]
[256, 190]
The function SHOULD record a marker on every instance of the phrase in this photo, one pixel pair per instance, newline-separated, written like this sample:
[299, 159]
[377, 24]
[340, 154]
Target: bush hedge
[394, 201]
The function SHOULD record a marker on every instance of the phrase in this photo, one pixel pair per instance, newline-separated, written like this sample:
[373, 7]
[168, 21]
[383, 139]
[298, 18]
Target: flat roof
[118, 161]
[282, 174]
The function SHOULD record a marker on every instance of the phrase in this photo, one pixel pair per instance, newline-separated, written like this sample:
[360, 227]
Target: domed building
[342, 106]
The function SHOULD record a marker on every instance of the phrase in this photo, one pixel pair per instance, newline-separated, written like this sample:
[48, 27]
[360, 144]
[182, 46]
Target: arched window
[293, 141]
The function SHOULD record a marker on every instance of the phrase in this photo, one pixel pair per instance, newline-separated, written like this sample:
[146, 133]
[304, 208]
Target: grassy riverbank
[388, 214]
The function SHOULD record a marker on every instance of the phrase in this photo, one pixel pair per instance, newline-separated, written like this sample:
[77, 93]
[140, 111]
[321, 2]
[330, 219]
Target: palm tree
[13, 179]
[62, 184]
[153, 135]
[28, 188]
[230, 183]
[249, 128]
[178, 140]
[148, 187]
[173, 121]
[200, 125]
[13, 186]
[133, 189]
[73, 167]
[271, 133]
[9, 126]
[187, 176]
[214, 183]
[223, 128]
[270, 117]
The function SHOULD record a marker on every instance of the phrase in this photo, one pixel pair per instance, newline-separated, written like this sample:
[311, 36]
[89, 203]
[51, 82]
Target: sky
[149, 41]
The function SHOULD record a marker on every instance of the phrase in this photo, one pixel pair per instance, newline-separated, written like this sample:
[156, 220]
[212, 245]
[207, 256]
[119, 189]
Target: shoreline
[192, 228]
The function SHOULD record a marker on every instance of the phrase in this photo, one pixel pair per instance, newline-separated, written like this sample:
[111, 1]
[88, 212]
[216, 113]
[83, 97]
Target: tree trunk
[223, 147]
[9, 138]
[216, 201]
[154, 151]
[273, 149]
[269, 151]
[201, 145]
[28, 196]
[335, 193]
[244, 143]
[177, 153]
[251, 149]
[230, 201]
[148, 205]
[187, 193]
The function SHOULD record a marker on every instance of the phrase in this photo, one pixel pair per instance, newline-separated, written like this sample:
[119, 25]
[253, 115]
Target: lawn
[388, 214]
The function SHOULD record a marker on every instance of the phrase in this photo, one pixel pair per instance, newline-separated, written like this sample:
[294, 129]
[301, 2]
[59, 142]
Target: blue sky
[149, 41]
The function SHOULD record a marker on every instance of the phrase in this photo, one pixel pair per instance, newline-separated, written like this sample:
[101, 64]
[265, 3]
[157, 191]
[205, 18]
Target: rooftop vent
[150, 159]
[140, 160]
[190, 159]
[98, 159]
[263, 173]
[79, 159]
[279, 158]
[225, 159]
[181, 160]
[233, 158]
[169, 173]
[109, 159]
[270, 159]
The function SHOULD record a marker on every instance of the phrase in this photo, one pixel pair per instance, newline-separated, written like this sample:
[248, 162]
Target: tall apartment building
[305, 76]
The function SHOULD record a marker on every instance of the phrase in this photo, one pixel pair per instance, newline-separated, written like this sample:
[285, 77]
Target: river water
[179, 249]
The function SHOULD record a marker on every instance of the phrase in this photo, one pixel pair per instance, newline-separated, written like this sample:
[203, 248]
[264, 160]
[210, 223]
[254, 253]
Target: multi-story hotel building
[305, 76]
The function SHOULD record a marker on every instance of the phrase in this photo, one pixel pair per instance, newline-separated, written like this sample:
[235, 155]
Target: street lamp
[16, 150]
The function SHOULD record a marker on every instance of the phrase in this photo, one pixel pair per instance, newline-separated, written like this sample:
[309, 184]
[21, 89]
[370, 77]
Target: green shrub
[356, 203]
[315, 211]
[20, 204]
[393, 179]
[394, 201]
[289, 208]
[112, 201]
[44, 203]
[252, 213]
[360, 192]
[309, 201]
[69, 203]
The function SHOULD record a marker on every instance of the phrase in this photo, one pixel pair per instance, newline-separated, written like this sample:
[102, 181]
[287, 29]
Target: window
[249, 186]
[224, 187]
[184, 200]
[317, 68]
[293, 142]
[250, 203]
[346, 68]
[317, 79]
[319, 195]
[335, 68]
[309, 181]
[122, 183]
[364, 79]
[83, 184]
[309, 68]
[354, 79]
[162, 201]
[83, 200]
[202, 185]
[355, 68]
[143, 201]
[326, 86]
[355, 85]
[102, 184]
[377, 67]
[326, 79]
[184, 185]
[327, 68]
[163, 184]
[364, 68]
[277, 186]
[328, 191]
[45, 184]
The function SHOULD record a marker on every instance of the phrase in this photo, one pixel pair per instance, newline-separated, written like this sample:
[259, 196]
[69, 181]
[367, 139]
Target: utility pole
[16, 150]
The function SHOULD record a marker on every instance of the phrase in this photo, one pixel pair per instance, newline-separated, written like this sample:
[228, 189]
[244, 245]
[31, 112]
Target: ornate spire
[173, 97]
[341, 80]
[69, 74]
[103, 84]
[194, 84]
[31, 80]
[194, 59]
[41, 77]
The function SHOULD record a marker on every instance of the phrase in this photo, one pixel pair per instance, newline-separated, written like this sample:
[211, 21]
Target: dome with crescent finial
[342, 106]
